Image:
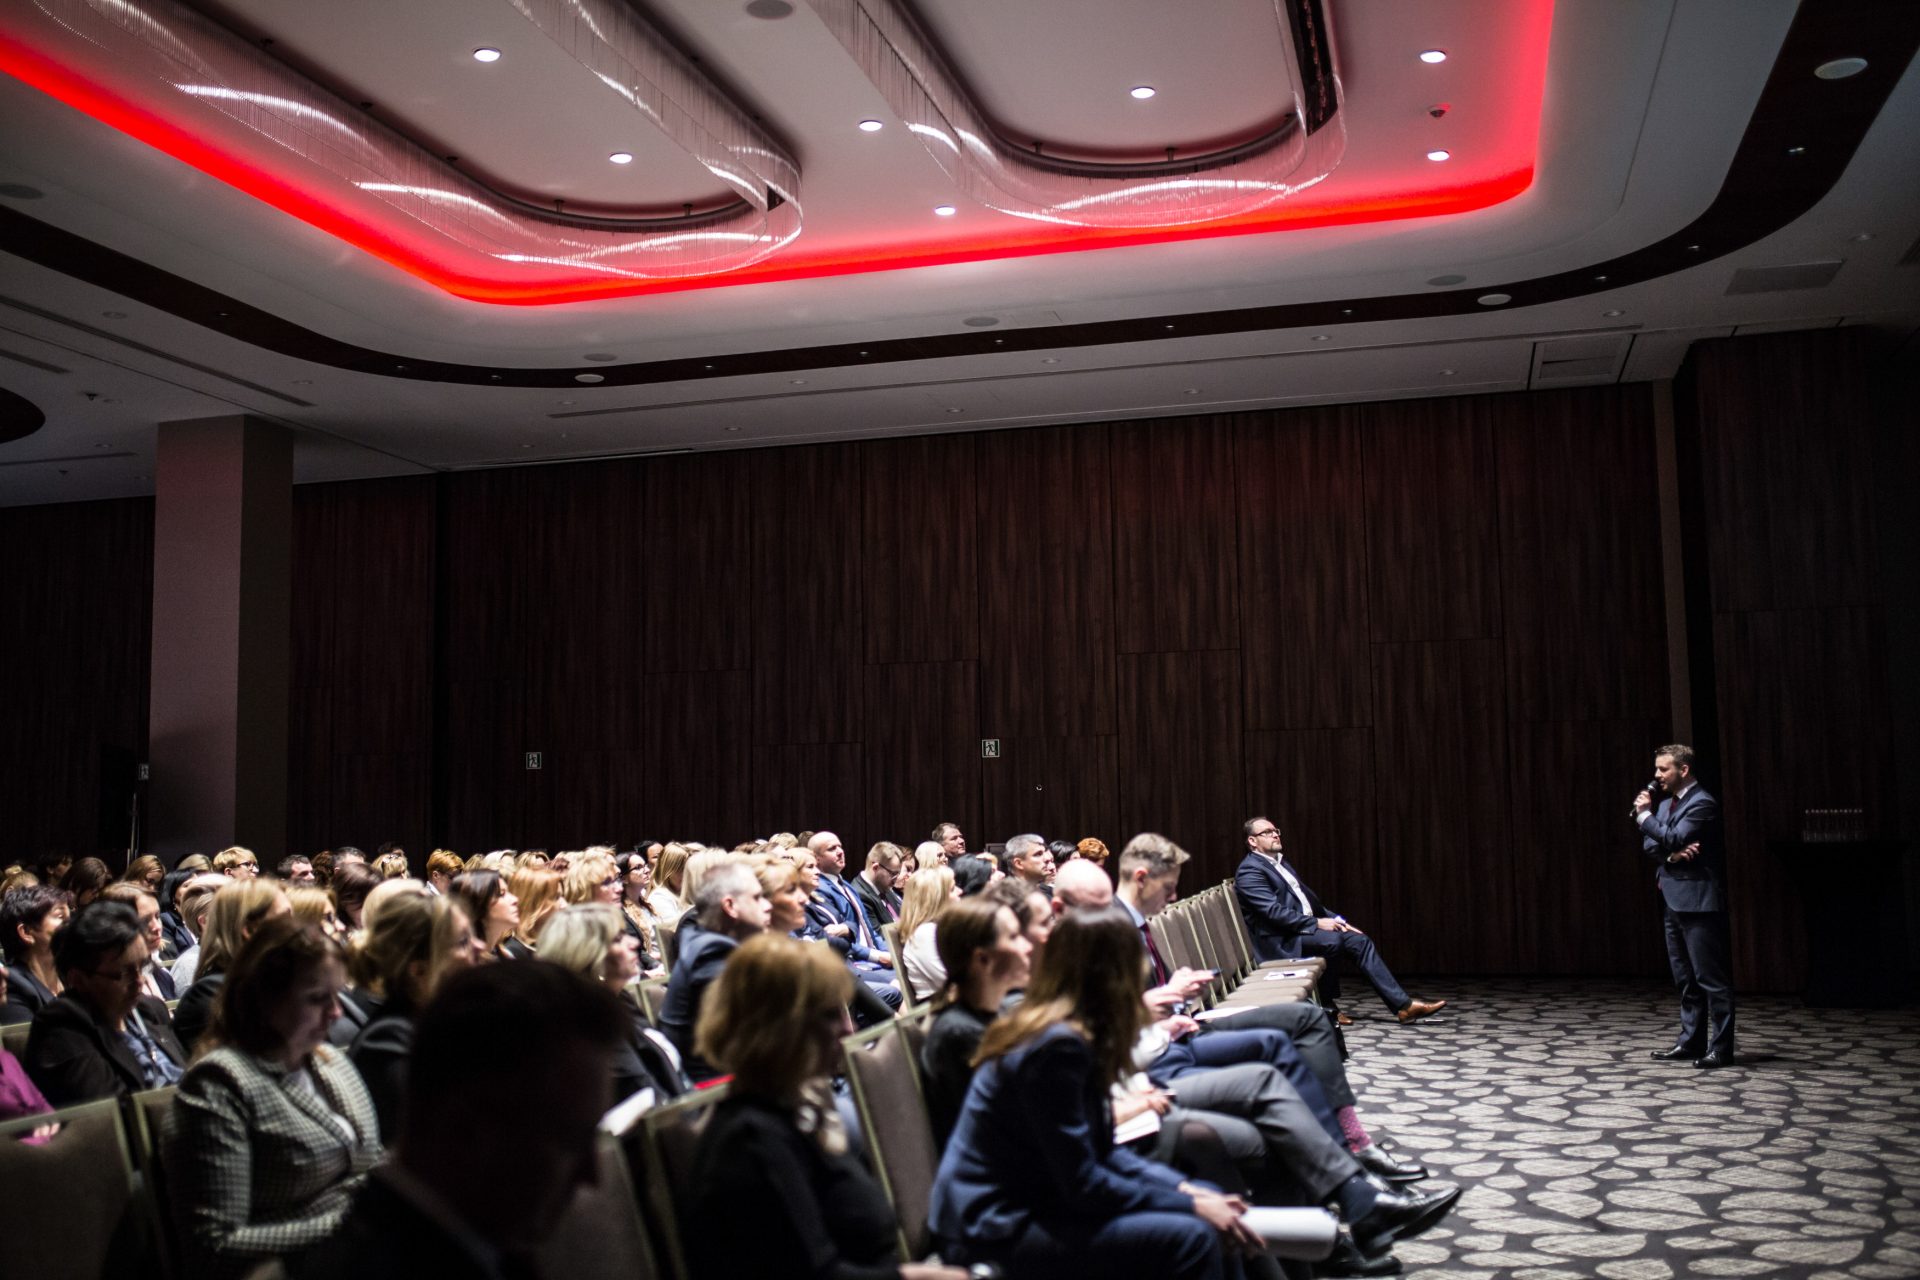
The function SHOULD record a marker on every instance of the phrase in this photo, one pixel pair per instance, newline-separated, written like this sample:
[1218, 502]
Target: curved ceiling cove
[180, 82]
[919, 81]
[19, 417]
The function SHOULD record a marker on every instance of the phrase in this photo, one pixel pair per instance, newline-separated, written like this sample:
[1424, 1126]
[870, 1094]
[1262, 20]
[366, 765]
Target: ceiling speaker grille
[1800, 275]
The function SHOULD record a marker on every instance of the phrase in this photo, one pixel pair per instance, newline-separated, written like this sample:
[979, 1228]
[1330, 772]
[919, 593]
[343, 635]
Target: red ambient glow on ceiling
[1524, 33]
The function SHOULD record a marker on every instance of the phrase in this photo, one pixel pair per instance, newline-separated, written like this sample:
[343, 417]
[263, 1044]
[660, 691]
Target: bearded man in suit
[1680, 832]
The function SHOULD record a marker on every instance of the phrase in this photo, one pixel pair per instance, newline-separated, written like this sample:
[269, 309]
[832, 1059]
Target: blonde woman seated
[411, 943]
[538, 892]
[589, 938]
[233, 915]
[668, 897]
[775, 1148]
[595, 876]
[272, 1132]
[928, 894]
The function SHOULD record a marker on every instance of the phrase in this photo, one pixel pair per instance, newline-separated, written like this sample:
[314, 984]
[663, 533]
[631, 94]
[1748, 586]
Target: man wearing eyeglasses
[1286, 921]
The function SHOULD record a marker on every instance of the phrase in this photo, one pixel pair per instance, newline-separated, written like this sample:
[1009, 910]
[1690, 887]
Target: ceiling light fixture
[589, 377]
[945, 210]
[1840, 68]
[871, 126]
[486, 55]
[1434, 56]
[1495, 299]
[1610, 314]
[1142, 91]
[621, 157]
[1437, 155]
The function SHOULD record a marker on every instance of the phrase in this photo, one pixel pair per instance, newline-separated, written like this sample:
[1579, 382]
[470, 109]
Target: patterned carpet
[1583, 1158]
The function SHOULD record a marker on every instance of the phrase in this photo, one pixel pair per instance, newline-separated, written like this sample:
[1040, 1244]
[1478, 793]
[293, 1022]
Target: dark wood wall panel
[1432, 553]
[1046, 568]
[807, 570]
[1176, 579]
[696, 565]
[1064, 788]
[360, 755]
[920, 549]
[76, 609]
[1447, 862]
[1316, 785]
[810, 787]
[1181, 754]
[1303, 568]
[922, 739]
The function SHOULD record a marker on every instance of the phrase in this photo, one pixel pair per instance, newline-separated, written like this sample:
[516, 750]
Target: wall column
[221, 551]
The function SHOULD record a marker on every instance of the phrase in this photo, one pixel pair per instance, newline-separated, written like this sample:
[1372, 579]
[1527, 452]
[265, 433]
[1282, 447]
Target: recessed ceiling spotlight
[733, 428]
[1610, 314]
[1446, 373]
[1142, 91]
[863, 353]
[871, 126]
[1693, 248]
[1319, 337]
[945, 210]
[1863, 237]
[1495, 299]
[1191, 391]
[956, 411]
[621, 157]
[526, 446]
[589, 377]
[1840, 68]
[797, 382]
[486, 55]
[1437, 155]
[1796, 151]
[1434, 55]
[566, 402]
[1050, 360]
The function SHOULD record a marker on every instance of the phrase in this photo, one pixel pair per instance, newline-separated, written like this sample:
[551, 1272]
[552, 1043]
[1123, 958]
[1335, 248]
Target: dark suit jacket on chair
[72, 1058]
[1698, 884]
[1274, 920]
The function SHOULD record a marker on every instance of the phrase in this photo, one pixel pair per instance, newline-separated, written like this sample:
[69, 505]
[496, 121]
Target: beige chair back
[884, 1069]
[652, 995]
[602, 1235]
[669, 1137]
[74, 1206]
[14, 1037]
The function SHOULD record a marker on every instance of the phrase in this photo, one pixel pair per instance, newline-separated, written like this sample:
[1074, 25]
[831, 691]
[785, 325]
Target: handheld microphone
[1653, 790]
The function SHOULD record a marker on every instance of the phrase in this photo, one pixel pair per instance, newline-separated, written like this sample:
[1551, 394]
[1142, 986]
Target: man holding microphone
[1680, 830]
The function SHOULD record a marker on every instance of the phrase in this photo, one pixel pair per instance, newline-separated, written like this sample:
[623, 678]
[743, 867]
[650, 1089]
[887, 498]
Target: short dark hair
[462, 1048]
[1016, 895]
[971, 874]
[1679, 752]
[170, 889]
[97, 930]
[1062, 850]
[284, 868]
[351, 884]
[26, 906]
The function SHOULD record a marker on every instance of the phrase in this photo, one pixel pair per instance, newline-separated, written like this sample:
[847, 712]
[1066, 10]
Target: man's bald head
[1081, 884]
[828, 854]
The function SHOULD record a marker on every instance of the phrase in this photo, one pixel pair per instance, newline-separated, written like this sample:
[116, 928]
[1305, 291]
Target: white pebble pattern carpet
[1582, 1158]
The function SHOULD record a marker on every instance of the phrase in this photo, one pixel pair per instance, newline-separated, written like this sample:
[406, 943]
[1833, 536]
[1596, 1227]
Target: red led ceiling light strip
[397, 240]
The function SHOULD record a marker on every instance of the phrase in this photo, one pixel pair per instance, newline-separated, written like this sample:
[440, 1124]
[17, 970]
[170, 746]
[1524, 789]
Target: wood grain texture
[920, 549]
[1046, 574]
[1062, 788]
[1584, 617]
[1316, 786]
[811, 787]
[922, 736]
[1175, 556]
[1303, 567]
[1432, 535]
[807, 571]
[696, 565]
[1180, 755]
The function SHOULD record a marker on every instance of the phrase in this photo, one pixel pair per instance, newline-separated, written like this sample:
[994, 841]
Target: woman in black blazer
[775, 1149]
[104, 1036]
[29, 917]
[415, 940]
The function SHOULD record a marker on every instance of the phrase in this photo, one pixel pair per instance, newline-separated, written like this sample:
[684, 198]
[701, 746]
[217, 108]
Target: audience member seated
[196, 899]
[296, 869]
[499, 1131]
[986, 958]
[876, 889]
[272, 1131]
[1031, 1178]
[413, 941]
[236, 863]
[866, 950]
[86, 880]
[538, 892]
[491, 906]
[29, 918]
[236, 912]
[179, 937]
[1093, 849]
[953, 845]
[666, 899]
[588, 939]
[928, 894]
[788, 879]
[350, 886]
[1029, 860]
[776, 1150]
[19, 1096]
[154, 979]
[636, 883]
[595, 876]
[729, 907]
[392, 866]
[314, 905]
[146, 871]
[102, 1037]
[442, 866]
[972, 874]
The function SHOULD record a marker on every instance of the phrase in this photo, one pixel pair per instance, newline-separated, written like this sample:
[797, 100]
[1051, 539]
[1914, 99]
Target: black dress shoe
[1713, 1062]
[1397, 1215]
[1384, 1165]
[1679, 1053]
[1345, 1260]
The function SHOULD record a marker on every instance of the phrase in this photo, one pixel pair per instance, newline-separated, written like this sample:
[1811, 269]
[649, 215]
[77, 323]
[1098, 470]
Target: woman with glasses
[103, 1036]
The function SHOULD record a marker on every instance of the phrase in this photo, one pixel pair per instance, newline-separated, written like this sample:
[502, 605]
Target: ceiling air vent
[1585, 361]
[1800, 275]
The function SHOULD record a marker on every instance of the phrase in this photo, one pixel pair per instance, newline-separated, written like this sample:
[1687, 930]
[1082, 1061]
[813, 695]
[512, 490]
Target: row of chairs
[88, 1202]
[1207, 931]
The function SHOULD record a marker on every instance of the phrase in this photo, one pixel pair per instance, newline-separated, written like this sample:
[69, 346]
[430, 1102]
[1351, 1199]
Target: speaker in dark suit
[1680, 832]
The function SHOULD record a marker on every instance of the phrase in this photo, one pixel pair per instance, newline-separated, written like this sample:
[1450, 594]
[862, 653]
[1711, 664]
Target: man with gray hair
[1028, 859]
[728, 908]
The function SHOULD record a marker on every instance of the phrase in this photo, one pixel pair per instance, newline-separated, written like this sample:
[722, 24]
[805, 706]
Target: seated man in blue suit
[1680, 831]
[1286, 921]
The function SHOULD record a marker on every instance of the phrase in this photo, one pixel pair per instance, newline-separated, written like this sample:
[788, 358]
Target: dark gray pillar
[223, 525]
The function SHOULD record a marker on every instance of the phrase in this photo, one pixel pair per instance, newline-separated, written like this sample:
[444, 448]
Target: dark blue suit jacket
[843, 905]
[1700, 884]
[703, 953]
[1274, 920]
[1034, 1144]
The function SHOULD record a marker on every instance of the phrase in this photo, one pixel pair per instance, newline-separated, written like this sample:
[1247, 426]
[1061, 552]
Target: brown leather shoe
[1417, 1009]
[1342, 1020]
